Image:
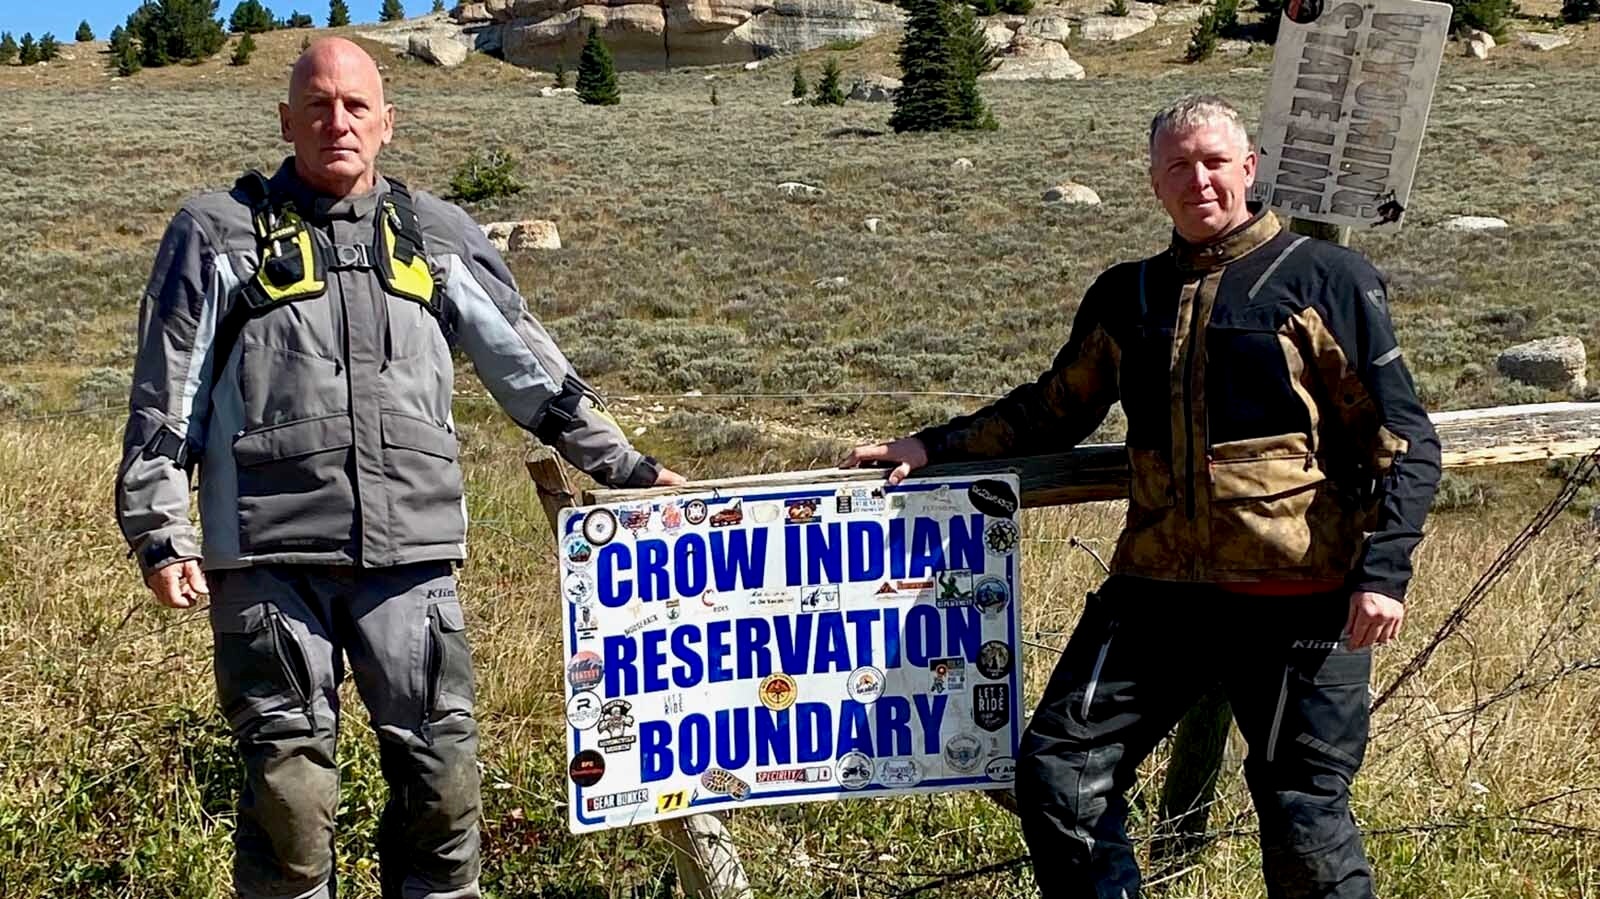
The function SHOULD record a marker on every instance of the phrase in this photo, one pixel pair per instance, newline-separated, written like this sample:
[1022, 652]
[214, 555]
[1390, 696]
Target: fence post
[703, 852]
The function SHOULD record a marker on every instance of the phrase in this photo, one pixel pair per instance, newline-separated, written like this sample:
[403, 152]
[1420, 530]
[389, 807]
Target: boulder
[961, 166]
[1474, 223]
[1030, 59]
[516, 237]
[1477, 44]
[837, 282]
[558, 91]
[1047, 27]
[998, 37]
[872, 224]
[1539, 40]
[1186, 14]
[1113, 28]
[1558, 363]
[1072, 193]
[471, 13]
[437, 49]
[799, 189]
[874, 89]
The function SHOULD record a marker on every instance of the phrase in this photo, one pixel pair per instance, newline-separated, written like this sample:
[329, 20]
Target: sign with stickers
[790, 644]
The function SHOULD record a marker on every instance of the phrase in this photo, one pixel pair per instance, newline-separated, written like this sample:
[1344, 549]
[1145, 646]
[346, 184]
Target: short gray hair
[1198, 111]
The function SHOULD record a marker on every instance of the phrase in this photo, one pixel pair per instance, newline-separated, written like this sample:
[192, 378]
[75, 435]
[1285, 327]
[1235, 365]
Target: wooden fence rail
[708, 863]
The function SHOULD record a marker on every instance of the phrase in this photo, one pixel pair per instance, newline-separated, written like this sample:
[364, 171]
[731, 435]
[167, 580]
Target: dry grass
[685, 269]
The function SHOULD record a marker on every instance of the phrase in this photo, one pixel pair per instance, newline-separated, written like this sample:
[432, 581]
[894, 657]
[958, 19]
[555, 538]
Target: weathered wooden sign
[1345, 113]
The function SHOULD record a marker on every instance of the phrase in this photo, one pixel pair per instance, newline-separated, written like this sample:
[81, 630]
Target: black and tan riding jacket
[314, 390]
[1274, 433]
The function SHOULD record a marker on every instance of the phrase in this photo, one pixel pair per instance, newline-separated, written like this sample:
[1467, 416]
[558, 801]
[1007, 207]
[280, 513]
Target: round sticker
[899, 773]
[578, 549]
[993, 498]
[866, 684]
[578, 589]
[778, 691]
[994, 660]
[585, 670]
[1002, 536]
[599, 526]
[855, 770]
[586, 768]
[963, 752]
[1303, 12]
[694, 511]
[671, 516]
[583, 710]
[991, 595]
[1003, 770]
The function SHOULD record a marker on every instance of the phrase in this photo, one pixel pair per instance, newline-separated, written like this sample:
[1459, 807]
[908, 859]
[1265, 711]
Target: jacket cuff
[1395, 590]
[644, 473]
[933, 440]
[164, 548]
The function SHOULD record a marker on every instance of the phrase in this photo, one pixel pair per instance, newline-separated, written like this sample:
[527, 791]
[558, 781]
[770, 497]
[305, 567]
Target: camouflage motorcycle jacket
[1274, 433]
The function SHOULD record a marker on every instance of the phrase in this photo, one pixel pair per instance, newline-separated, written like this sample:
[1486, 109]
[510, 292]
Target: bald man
[295, 341]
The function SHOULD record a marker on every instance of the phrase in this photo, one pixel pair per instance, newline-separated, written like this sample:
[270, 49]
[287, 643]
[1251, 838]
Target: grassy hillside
[686, 269]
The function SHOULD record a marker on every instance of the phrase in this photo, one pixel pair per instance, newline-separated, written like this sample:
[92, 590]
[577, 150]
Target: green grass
[684, 269]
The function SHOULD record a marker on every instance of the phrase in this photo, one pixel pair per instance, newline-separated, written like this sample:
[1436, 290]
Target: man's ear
[283, 123]
[1250, 170]
[388, 123]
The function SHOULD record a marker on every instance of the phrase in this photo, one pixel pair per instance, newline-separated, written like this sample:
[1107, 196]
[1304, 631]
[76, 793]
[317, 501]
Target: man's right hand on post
[178, 585]
[907, 453]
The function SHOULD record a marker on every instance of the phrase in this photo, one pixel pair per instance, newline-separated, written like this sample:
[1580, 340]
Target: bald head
[336, 117]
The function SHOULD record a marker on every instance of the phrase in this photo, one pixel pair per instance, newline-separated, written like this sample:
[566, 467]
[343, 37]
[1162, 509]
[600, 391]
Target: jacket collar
[1230, 247]
[314, 205]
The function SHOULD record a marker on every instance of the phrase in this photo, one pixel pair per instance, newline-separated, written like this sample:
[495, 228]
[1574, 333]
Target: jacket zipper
[295, 670]
[1188, 397]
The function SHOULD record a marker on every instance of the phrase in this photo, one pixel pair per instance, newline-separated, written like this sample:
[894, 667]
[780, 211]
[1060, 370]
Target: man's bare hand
[1374, 620]
[666, 477]
[907, 452]
[178, 585]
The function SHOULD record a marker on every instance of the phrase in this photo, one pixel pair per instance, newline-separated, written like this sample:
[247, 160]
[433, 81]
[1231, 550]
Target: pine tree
[27, 51]
[972, 55]
[1117, 8]
[338, 13]
[438, 5]
[1203, 40]
[926, 100]
[597, 74]
[1575, 11]
[124, 55]
[798, 87]
[1485, 15]
[561, 73]
[242, 51]
[393, 11]
[85, 33]
[250, 17]
[828, 91]
[49, 48]
[298, 19]
[1271, 14]
[169, 31]
[8, 48]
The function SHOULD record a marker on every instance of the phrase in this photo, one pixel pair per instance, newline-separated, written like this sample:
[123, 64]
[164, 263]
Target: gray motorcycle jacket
[326, 435]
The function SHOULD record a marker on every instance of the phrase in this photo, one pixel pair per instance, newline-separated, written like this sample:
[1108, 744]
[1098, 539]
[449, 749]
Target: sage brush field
[686, 269]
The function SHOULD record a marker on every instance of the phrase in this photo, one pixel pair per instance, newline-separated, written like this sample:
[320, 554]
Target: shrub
[8, 48]
[1203, 41]
[49, 48]
[169, 31]
[561, 73]
[1485, 15]
[338, 13]
[28, 50]
[597, 75]
[1458, 492]
[84, 33]
[485, 176]
[245, 47]
[1271, 14]
[298, 19]
[392, 11]
[124, 56]
[828, 91]
[103, 387]
[1576, 11]
[797, 85]
[438, 5]
[1117, 8]
[250, 17]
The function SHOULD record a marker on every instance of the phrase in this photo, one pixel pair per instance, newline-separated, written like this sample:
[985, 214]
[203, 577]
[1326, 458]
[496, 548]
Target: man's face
[336, 118]
[1202, 176]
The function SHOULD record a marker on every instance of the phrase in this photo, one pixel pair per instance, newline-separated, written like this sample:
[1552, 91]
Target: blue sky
[61, 19]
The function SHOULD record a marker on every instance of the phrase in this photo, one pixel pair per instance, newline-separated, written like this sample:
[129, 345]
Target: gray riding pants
[282, 634]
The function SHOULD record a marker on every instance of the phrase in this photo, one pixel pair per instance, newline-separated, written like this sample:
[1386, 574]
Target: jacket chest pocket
[1273, 508]
[290, 365]
[424, 481]
[1145, 384]
[413, 331]
[1250, 384]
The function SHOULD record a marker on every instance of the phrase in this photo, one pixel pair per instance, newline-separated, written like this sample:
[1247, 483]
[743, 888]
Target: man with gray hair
[1282, 467]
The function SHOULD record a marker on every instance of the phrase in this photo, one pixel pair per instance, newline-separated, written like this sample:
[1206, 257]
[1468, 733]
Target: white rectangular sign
[1347, 107]
[789, 645]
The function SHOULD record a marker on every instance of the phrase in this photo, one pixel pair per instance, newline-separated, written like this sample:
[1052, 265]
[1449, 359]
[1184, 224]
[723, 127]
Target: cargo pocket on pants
[262, 672]
[450, 686]
[1326, 722]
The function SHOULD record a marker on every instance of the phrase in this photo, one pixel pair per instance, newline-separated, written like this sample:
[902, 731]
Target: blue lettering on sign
[718, 650]
[966, 543]
[805, 734]
[751, 637]
[739, 560]
[653, 580]
[862, 551]
[732, 560]
[833, 649]
[689, 670]
[865, 540]
[824, 554]
[611, 561]
[688, 565]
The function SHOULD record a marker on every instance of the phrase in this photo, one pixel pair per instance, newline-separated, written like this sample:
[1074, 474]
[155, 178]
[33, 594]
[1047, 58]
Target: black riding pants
[1142, 654]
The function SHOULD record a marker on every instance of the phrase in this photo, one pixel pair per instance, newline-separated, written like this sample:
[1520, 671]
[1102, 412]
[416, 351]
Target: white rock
[1187, 14]
[1477, 44]
[795, 101]
[437, 49]
[874, 89]
[1539, 40]
[872, 225]
[1072, 193]
[1559, 363]
[834, 283]
[1047, 27]
[516, 237]
[1474, 223]
[1029, 59]
[1235, 47]
[961, 165]
[1245, 70]
[752, 66]
[998, 37]
[1456, 88]
[798, 189]
[1113, 28]
[558, 91]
